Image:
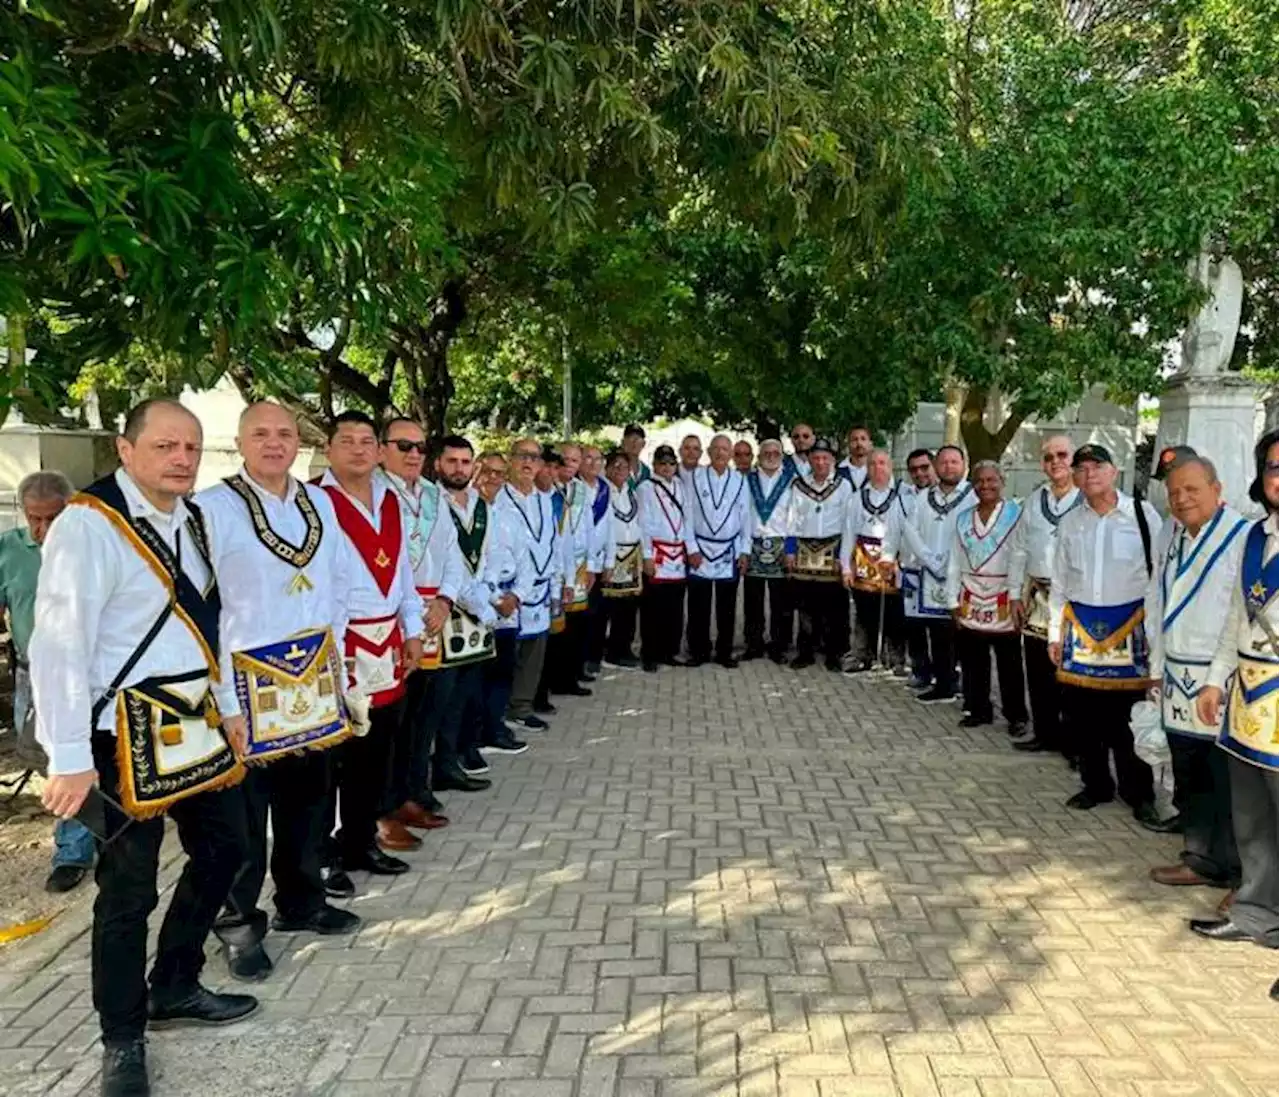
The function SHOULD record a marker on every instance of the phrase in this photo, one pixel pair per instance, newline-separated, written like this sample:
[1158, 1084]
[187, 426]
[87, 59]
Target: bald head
[267, 439]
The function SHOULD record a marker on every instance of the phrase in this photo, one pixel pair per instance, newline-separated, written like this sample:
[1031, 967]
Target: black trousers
[701, 593]
[1204, 790]
[871, 614]
[661, 620]
[294, 792]
[593, 644]
[460, 728]
[754, 589]
[567, 652]
[620, 618]
[212, 831]
[916, 641]
[496, 676]
[941, 632]
[1045, 692]
[1099, 729]
[824, 618]
[1254, 807]
[363, 779]
[976, 649]
[424, 736]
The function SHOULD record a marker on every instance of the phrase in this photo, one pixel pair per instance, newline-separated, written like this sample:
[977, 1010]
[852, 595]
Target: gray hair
[1183, 460]
[980, 466]
[45, 485]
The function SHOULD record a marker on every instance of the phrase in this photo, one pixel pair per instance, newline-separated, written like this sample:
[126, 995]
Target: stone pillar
[1215, 415]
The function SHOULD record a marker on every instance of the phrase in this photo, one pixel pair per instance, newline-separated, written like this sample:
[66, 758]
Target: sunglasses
[1056, 455]
[525, 455]
[406, 446]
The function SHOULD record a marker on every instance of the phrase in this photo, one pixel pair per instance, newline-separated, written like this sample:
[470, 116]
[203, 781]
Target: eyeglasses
[406, 446]
[525, 455]
[1056, 455]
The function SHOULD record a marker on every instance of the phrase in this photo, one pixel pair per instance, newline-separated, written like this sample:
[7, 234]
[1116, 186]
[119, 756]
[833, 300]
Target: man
[469, 644]
[663, 517]
[383, 645]
[817, 516]
[802, 439]
[623, 574]
[1101, 568]
[977, 592]
[768, 490]
[284, 571]
[633, 439]
[717, 551]
[438, 576]
[877, 601]
[42, 497]
[915, 637]
[1035, 538]
[598, 496]
[742, 456]
[566, 651]
[512, 567]
[1248, 661]
[126, 613]
[854, 467]
[690, 460]
[920, 547]
[531, 518]
[1195, 577]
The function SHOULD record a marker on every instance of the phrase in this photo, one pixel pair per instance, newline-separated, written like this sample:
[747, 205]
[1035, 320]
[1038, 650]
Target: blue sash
[1259, 579]
[765, 506]
[1104, 647]
[600, 504]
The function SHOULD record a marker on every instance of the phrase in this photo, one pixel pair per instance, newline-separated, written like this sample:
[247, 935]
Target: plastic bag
[1149, 740]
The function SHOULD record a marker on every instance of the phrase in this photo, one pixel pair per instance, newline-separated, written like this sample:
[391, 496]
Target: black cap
[1168, 457]
[664, 453]
[1092, 452]
[822, 445]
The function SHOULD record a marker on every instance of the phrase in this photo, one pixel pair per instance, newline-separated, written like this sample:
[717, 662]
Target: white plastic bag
[1149, 740]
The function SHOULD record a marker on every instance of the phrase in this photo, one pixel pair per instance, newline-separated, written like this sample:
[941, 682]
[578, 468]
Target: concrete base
[1217, 417]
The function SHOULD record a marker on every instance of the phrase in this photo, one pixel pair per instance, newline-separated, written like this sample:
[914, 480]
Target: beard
[455, 483]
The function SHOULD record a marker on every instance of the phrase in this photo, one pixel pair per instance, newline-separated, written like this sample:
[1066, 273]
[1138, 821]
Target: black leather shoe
[778, 657]
[1082, 801]
[802, 661]
[1147, 815]
[728, 662]
[200, 1007]
[454, 777]
[1017, 729]
[575, 691]
[1172, 825]
[376, 863]
[1030, 746]
[63, 878]
[337, 884]
[833, 665]
[693, 662]
[249, 965]
[972, 721]
[124, 1069]
[508, 744]
[677, 661]
[1219, 929]
[327, 922]
[650, 667]
[752, 653]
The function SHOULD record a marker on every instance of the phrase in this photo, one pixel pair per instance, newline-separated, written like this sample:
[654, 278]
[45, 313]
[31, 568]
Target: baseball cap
[664, 453]
[1092, 452]
[822, 445]
[1169, 456]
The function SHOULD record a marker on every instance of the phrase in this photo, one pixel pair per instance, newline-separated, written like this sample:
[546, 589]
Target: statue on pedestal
[1210, 338]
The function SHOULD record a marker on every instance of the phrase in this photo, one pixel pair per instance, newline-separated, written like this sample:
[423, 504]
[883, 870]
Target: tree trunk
[425, 348]
[951, 414]
[980, 443]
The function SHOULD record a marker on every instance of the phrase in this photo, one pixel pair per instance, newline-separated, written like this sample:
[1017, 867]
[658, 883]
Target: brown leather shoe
[412, 814]
[393, 836]
[1227, 900]
[1179, 876]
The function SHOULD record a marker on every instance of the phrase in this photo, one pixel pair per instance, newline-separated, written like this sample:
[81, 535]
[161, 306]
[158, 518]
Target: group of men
[330, 655]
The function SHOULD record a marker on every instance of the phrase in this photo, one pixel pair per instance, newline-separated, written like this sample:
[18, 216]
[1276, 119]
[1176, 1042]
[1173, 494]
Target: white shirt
[601, 554]
[479, 592]
[261, 600]
[1099, 559]
[511, 563]
[95, 600]
[531, 521]
[807, 517]
[862, 522]
[776, 524]
[579, 526]
[1192, 582]
[715, 521]
[431, 539]
[986, 576]
[855, 474]
[624, 519]
[922, 536]
[1238, 632]
[1036, 536]
[664, 514]
[365, 599]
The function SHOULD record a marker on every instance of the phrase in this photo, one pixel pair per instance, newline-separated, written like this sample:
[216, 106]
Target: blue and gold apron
[1104, 647]
[1250, 731]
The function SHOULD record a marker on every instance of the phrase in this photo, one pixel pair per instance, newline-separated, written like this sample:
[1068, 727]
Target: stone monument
[1205, 406]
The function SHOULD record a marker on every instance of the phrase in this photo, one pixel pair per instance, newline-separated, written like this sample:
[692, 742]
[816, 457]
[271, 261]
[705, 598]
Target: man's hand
[848, 580]
[1019, 613]
[507, 604]
[1208, 707]
[1055, 653]
[566, 596]
[437, 616]
[591, 580]
[412, 654]
[695, 560]
[789, 561]
[237, 733]
[65, 793]
[743, 561]
[888, 568]
[650, 568]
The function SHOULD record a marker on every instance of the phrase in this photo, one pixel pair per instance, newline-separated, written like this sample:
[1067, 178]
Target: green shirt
[19, 569]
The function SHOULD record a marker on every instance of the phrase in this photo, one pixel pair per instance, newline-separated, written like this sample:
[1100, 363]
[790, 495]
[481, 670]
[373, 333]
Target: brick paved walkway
[750, 884]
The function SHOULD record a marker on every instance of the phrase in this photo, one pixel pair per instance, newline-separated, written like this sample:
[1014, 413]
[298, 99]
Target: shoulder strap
[109, 694]
[1140, 513]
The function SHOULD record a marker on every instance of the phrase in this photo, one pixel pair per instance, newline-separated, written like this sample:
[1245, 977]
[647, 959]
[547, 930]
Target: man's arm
[955, 565]
[217, 525]
[1058, 583]
[1019, 546]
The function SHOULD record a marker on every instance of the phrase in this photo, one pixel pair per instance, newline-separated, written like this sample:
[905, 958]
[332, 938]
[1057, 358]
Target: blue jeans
[73, 843]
